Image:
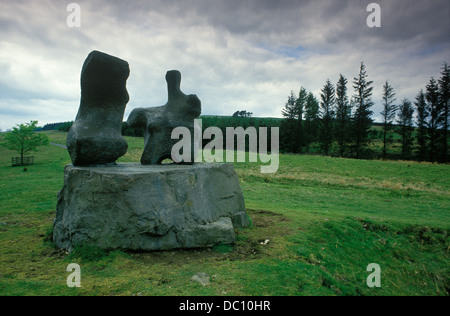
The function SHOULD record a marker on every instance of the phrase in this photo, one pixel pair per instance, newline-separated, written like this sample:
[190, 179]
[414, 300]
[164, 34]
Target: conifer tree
[405, 127]
[289, 125]
[435, 117]
[326, 114]
[444, 98]
[362, 118]
[300, 104]
[388, 115]
[343, 114]
[422, 117]
[311, 120]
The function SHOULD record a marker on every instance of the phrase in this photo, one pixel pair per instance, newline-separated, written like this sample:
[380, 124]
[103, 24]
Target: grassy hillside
[325, 219]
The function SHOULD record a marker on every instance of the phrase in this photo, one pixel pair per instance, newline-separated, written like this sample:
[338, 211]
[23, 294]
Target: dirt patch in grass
[266, 219]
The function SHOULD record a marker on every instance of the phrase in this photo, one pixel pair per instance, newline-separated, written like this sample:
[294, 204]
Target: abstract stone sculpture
[159, 122]
[157, 207]
[95, 137]
[145, 206]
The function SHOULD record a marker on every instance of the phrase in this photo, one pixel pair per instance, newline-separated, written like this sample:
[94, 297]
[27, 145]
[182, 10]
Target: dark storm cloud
[427, 21]
[297, 20]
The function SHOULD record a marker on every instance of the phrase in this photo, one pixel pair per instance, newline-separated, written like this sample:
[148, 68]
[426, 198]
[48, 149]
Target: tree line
[222, 122]
[341, 125]
[60, 126]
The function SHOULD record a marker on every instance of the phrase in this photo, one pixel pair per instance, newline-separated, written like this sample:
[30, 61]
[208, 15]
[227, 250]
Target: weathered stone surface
[136, 207]
[95, 137]
[159, 122]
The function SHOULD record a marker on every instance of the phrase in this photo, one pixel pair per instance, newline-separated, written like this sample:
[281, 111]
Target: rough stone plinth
[95, 137]
[156, 207]
[159, 122]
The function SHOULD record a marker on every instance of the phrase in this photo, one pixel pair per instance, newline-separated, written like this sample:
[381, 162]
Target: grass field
[325, 219]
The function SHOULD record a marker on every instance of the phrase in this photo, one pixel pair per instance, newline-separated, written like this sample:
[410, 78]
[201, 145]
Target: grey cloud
[296, 20]
[427, 21]
[233, 54]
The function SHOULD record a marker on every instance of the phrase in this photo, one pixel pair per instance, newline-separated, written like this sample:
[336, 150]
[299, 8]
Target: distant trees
[222, 122]
[23, 139]
[388, 115]
[339, 125]
[242, 114]
[60, 126]
[432, 119]
[308, 121]
[301, 121]
[65, 127]
[129, 131]
[336, 124]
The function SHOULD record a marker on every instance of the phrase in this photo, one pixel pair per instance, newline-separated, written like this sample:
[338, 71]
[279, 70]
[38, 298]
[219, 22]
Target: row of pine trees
[342, 125]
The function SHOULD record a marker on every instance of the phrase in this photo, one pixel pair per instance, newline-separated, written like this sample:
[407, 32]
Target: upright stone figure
[159, 122]
[95, 137]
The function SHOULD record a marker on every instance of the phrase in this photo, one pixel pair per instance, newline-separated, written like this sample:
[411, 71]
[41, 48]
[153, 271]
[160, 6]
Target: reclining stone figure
[159, 122]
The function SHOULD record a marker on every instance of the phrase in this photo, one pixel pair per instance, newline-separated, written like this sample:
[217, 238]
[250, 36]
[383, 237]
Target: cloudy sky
[234, 54]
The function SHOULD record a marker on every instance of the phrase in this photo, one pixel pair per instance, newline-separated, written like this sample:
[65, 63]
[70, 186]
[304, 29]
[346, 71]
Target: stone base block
[154, 207]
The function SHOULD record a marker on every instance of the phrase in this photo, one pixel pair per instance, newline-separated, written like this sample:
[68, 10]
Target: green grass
[316, 225]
